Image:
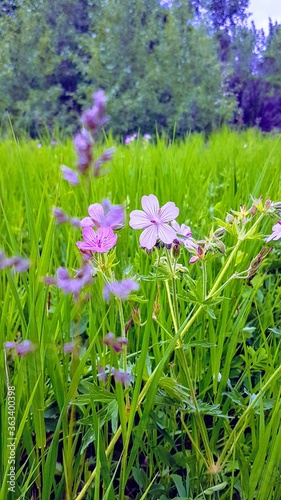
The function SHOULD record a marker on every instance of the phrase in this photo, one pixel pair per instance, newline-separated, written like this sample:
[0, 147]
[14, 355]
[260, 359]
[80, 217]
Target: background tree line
[193, 63]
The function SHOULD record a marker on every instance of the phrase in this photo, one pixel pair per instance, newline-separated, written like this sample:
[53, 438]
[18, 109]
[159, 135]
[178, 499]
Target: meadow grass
[201, 415]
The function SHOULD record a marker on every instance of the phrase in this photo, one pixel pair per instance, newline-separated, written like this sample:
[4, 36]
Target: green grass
[201, 418]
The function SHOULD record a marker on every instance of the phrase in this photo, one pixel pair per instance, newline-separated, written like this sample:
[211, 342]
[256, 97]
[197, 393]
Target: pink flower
[184, 235]
[100, 241]
[112, 216]
[276, 232]
[154, 220]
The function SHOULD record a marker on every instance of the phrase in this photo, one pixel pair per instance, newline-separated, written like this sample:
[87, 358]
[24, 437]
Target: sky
[262, 10]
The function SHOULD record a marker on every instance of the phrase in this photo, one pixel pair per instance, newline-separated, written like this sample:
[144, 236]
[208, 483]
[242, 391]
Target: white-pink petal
[150, 204]
[139, 219]
[169, 212]
[148, 237]
[166, 233]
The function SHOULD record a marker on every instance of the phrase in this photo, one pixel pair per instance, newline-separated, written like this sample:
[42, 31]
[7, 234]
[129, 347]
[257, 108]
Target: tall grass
[201, 416]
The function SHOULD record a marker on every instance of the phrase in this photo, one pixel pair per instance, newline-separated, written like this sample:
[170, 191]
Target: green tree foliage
[193, 63]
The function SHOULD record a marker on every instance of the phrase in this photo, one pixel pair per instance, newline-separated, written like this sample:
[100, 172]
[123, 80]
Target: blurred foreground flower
[21, 348]
[154, 220]
[67, 284]
[61, 217]
[116, 343]
[70, 175]
[19, 263]
[120, 289]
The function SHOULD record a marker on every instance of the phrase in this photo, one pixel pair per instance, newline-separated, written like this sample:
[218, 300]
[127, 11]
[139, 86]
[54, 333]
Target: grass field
[199, 413]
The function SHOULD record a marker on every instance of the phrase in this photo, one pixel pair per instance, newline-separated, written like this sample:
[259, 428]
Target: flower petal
[96, 212]
[115, 217]
[166, 233]
[169, 212]
[150, 204]
[87, 222]
[139, 219]
[148, 237]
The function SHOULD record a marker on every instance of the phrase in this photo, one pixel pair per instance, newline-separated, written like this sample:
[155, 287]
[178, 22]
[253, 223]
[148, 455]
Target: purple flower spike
[115, 343]
[154, 220]
[83, 146]
[70, 175]
[94, 119]
[276, 232]
[111, 217]
[21, 348]
[100, 241]
[120, 289]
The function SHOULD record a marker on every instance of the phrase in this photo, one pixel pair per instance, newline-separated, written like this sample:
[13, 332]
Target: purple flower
[94, 118]
[119, 376]
[67, 284]
[83, 146]
[112, 216]
[184, 235]
[276, 232]
[21, 348]
[71, 348]
[154, 220]
[70, 175]
[115, 343]
[120, 289]
[20, 264]
[60, 216]
[100, 241]
[147, 137]
[101, 374]
[105, 157]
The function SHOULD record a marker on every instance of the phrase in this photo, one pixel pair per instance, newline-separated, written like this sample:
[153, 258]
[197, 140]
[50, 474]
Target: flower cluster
[106, 218]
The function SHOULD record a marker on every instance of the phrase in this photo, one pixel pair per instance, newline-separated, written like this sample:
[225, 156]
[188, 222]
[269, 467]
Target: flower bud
[176, 249]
